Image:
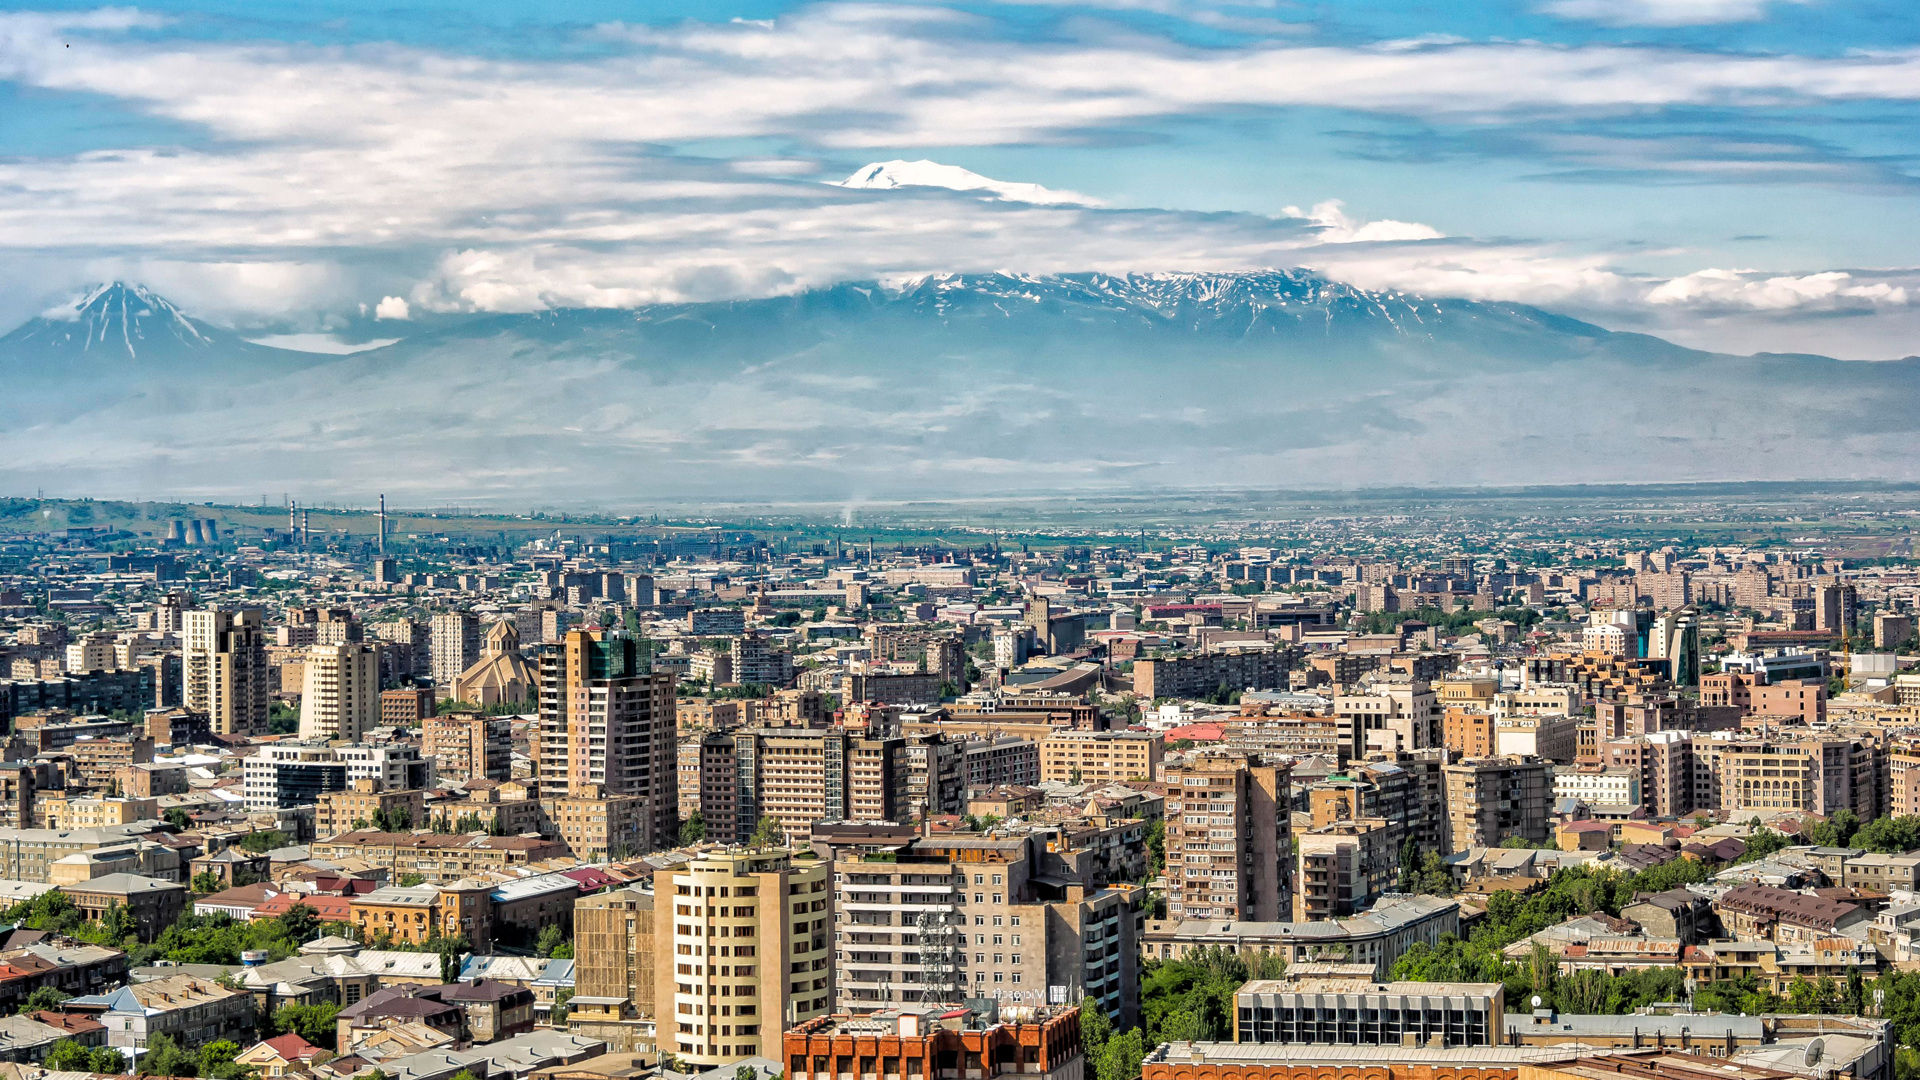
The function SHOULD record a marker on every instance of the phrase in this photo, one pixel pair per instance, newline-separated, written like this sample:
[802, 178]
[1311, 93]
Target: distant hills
[946, 386]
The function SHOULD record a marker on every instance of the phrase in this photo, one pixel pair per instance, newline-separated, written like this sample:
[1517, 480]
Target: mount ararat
[950, 385]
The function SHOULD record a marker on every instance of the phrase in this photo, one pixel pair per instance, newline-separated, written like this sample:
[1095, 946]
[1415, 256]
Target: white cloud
[321, 343]
[442, 182]
[1336, 227]
[1754, 291]
[1660, 12]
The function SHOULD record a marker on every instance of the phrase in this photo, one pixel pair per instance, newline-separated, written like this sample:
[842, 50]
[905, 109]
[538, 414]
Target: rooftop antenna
[383, 524]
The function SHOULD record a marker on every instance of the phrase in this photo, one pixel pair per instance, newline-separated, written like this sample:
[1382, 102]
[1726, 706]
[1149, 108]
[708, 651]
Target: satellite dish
[1814, 1049]
[1536, 1001]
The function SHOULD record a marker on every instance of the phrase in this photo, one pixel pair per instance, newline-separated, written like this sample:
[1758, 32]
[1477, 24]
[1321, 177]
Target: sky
[1736, 175]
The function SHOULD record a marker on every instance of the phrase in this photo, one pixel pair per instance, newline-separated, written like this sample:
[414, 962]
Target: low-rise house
[1882, 873]
[1766, 913]
[493, 1010]
[154, 904]
[26, 1041]
[238, 902]
[193, 1010]
[336, 970]
[233, 866]
[1677, 913]
[280, 1055]
[398, 1005]
[68, 966]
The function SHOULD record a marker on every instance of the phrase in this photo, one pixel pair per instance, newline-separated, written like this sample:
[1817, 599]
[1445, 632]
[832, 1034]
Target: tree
[262, 842]
[693, 830]
[465, 1074]
[408, 881]
[206, 882]
[551, 937]
[166, 1057]
[769, 833]
[314, 1023]
[1095, 1028]
[178, 818]
[562, 1004]
[216, 1060]
[1157, 846]
[300, 921]
[68, 1056]
[1837, 830]
[46, 997]
[746, 1072]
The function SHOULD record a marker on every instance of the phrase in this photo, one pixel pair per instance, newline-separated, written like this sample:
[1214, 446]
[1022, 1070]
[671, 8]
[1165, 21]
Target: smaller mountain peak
[894, 174]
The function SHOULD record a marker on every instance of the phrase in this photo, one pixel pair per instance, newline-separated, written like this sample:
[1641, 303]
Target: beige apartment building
[223, 669]
[1100, 757]
[613, 970]
[742, 954]
[336, 812]
[607, 730]
[1228, 828]
[469, 746]
[340, 693]
[963, 916]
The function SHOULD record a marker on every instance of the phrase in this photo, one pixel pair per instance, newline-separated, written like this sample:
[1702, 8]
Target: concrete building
[1228, 823]
[958, 917]
[455, 646]
[917, 1039]
[340, 695]
[469, 746]
[1101, 757]
[1377, 937]
[613, 971]
[1341, 1009]
[608, 729]
[1199, 675]
[1491, 799]
[293, 775]
[747, 955]
[224, 674]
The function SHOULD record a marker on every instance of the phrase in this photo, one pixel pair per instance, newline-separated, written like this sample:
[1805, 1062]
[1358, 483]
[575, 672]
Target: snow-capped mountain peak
[924, 173]
[119, 321]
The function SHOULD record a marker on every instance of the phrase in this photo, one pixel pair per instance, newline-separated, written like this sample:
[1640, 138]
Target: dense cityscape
[360, 793]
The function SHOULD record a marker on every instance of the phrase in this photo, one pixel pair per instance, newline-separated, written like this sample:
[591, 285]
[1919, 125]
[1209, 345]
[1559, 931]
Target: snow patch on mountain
[924, 173]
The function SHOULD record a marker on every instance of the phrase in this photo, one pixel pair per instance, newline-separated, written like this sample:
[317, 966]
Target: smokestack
[383, 524]
[177, 531]
[196, 533]
[212, 527]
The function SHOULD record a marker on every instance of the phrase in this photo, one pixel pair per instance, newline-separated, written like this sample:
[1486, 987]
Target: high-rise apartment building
[1835, 608]
[469, 746]
[741, 953]
[1811, 775]
[800, 776]
[607, 728]
[1491, 799]
[340, 692]
[224, 670]
[456, 645]
[943, 919]
[1228, 826]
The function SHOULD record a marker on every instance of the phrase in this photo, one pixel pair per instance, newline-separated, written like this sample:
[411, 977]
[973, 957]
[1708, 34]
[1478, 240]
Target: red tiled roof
[291, 1047]
[327, 908]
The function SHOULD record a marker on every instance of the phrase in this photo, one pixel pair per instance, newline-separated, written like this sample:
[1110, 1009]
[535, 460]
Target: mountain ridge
[944, 383]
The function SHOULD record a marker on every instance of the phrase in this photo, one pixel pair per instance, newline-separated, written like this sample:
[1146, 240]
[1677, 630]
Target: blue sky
[1733, 174]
